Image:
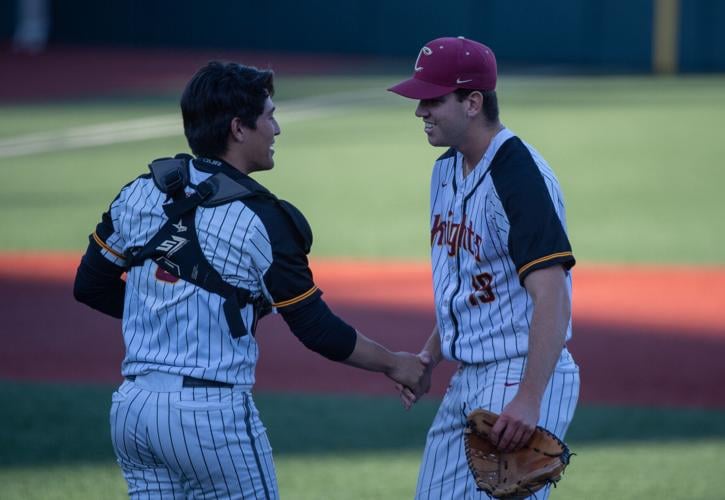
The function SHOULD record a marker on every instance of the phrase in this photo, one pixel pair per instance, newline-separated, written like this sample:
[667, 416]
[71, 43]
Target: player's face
[444, 119]
[259, 143]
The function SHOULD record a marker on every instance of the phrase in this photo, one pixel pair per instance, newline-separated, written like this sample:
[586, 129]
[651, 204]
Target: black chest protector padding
[176, 249]
[170, 174]
[225, 190]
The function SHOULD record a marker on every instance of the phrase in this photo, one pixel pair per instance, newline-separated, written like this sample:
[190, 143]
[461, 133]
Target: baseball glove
[517, 474]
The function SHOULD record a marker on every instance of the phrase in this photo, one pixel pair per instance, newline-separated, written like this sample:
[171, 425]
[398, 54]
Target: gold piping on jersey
[106, 247]
[544, 259]
[299, 298]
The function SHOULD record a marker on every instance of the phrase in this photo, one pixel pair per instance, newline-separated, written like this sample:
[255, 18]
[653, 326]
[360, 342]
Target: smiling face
[257, 147]
[445, 120]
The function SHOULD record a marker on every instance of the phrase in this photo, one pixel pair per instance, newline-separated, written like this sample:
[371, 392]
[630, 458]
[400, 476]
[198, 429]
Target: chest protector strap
[176, 249]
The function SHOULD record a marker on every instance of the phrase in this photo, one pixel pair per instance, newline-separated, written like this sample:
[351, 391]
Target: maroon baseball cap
[446, 64]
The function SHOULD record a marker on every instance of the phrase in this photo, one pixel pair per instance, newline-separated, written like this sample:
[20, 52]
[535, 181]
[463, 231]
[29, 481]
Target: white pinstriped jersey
[488, 231]
[172, 326]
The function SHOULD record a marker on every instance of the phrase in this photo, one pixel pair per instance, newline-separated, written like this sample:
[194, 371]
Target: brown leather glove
[517, 474]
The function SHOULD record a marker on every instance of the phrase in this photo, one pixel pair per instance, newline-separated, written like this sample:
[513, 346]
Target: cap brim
[418, 89]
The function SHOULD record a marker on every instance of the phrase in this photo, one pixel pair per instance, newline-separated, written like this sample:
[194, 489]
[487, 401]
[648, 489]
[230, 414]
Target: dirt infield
[643, 335]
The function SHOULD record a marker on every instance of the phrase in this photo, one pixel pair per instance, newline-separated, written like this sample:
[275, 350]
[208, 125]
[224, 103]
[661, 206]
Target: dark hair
[490, 102]
[217, 94]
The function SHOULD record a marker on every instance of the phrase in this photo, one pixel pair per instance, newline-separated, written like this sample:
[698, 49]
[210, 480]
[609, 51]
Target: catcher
[208, 251]
[517, 474]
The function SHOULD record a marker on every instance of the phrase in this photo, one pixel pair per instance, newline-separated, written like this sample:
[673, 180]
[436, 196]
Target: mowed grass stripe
[639, 160]
[155, 127]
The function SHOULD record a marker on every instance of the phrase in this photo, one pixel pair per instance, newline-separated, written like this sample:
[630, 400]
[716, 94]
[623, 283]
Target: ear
[236, 130]
[474, 104]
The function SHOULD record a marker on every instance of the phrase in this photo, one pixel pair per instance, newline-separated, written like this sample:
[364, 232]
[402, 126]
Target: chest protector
[175, 248]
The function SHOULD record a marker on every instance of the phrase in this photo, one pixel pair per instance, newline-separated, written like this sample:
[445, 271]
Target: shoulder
[445, 164]
[284, 224]
[518, 169]
[512, 154]
[143, 182]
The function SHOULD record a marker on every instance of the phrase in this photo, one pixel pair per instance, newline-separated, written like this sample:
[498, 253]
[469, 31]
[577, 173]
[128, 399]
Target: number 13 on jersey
[482, 289]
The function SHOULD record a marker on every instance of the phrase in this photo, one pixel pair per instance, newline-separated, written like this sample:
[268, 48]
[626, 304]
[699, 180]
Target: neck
[236, 162]
[477, 144]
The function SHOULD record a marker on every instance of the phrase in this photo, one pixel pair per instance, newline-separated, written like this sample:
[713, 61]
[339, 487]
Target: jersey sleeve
[106, 238]
[288, 277]
[537, 237]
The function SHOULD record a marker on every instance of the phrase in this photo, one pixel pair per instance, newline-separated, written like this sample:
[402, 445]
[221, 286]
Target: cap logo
[459, 81]
[425, 50]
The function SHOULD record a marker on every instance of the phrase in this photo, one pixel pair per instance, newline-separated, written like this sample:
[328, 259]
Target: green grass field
[640, 163]
[345, 447]
[639, 160]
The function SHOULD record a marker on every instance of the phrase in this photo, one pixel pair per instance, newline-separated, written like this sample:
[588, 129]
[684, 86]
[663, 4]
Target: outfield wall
[597, 34]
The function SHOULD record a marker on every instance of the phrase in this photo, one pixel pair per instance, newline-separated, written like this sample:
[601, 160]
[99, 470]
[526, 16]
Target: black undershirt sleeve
[290, 283]
[98, 283]
[320, 330]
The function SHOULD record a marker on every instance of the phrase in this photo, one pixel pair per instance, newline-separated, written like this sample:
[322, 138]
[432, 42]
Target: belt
[196, 382]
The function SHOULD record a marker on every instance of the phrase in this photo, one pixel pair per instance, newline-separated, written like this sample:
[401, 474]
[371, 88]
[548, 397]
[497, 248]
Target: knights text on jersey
[173, 326]
[489, 230]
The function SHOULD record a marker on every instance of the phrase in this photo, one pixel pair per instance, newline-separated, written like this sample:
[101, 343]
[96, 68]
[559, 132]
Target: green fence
[597, 34]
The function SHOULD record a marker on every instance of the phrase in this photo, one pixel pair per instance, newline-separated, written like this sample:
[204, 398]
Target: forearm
[433, 347]
[404, 368]
[552, 311]
[320, 330]
[370, 355]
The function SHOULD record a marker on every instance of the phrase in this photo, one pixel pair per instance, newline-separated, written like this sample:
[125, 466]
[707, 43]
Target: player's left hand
[517, 422]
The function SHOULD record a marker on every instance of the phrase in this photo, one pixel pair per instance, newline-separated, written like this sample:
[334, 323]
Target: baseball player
[501, 259]
[208, 251]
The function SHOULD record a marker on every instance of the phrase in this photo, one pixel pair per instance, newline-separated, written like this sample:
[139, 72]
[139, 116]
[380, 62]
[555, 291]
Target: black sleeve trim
[565, 259]
[320, 330]
[537, 238]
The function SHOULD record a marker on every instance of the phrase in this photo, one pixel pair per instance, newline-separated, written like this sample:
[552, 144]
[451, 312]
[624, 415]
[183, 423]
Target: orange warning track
[642, 334]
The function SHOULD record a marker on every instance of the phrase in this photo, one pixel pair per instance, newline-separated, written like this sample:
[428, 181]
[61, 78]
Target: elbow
[85, 295]
[329, 350]
[80, 293]
[333, 339]
[321, 331]
[100, 286]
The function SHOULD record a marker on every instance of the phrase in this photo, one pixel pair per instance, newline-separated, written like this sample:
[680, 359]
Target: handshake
[410, 372]
[412, 375]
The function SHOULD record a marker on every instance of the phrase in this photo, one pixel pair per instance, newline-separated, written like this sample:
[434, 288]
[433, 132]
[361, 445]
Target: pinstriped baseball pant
[200, 442]
[444, 471]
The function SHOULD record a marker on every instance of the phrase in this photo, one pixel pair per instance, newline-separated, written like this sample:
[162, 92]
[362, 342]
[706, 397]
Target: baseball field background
[640, 160]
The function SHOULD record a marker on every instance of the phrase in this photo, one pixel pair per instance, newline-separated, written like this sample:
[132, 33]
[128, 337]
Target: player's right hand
[410, 394]
[408, 370]
[517, 423]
